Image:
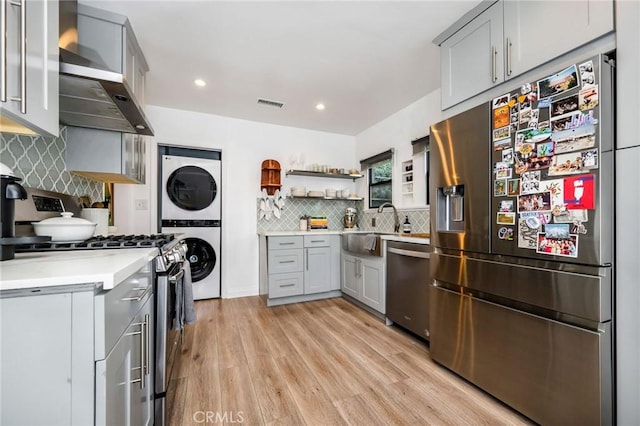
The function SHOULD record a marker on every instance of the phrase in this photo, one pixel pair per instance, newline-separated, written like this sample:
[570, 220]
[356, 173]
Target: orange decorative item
[270, 176]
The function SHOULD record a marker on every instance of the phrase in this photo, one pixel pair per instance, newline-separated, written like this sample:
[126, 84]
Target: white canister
[99, 216]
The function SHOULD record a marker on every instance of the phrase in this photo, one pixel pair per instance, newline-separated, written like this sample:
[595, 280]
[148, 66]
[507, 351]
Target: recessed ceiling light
[320, 106]
[199, 82]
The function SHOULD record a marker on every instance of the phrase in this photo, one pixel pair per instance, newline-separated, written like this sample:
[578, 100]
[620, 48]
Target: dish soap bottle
[406, 226]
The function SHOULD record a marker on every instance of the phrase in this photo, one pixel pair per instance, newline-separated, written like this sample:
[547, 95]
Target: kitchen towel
[185, 308]
[189, 306]
[370, 242]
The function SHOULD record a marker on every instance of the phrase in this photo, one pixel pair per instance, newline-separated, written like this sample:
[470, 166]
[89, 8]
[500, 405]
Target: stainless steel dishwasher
[408, 280]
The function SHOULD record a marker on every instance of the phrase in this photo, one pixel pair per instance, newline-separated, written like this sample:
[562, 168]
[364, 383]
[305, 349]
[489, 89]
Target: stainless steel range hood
[91, 96]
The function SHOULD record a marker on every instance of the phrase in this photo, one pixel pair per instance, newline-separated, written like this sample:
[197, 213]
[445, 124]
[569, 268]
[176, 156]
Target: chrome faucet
[396, 222]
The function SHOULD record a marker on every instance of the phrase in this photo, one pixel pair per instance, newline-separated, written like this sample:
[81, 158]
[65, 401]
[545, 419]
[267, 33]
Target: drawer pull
[286, 285]
[287, 261]
[140, 297]
[317, 241]
[287, 244]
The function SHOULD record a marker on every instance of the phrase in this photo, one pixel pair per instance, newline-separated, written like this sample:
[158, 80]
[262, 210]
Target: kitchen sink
[361, 242]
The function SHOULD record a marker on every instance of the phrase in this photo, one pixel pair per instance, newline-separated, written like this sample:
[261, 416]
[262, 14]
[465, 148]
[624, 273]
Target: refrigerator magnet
[502, 144]
[506, 218]
[503, 173]
[575, 139]
[527, 235]
[525, 88]
[579, 192]
[556, 189]
[506, 206]
[578, 227]
[502, 133]
[501, 117]
[513, 187]
[507, 155]
[558, 83]
[574, 162]
[557, 230]
[540, 202]
[545, 149]
[500, 188]
[544, 103]
[588, 98]
[564, 106]
[567, 247]
[501, 101]
[570, 216]
[587, 75]
[505, 233]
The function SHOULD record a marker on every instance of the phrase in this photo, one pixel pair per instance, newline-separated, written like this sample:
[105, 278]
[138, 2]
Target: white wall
[244, 145]
[397, 131]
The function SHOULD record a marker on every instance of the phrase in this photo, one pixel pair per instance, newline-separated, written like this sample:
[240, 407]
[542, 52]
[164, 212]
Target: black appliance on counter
[522, 228]
[10, 191]
[169, 273]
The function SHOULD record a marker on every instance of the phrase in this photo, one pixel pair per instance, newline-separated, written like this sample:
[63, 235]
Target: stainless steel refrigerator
[522, 230]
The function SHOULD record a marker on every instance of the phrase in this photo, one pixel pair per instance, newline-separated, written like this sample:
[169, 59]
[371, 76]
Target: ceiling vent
[267, 102]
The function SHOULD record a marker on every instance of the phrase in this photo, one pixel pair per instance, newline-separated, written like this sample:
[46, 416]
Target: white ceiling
[364, 60]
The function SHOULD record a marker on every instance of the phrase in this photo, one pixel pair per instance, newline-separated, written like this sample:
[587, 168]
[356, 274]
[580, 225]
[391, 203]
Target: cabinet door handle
[286, 285]
[306, 252]
[147, 343]
[143, 357]
[509, 44]
[494, 64]
[23, 55]
[3, 51]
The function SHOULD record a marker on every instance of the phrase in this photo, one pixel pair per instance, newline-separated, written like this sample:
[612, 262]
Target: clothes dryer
[202, 238]
[190, 188]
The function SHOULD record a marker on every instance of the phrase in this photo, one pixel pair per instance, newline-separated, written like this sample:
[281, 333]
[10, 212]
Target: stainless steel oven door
[168, 339]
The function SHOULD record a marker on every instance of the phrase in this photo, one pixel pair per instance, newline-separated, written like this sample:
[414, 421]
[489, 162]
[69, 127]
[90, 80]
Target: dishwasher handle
[409, 253]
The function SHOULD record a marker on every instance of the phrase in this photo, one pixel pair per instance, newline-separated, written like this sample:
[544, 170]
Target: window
[380, 183]
[380, 172]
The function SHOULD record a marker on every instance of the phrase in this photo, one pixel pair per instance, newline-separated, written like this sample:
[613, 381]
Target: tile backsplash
[334, 211]
[40, 162]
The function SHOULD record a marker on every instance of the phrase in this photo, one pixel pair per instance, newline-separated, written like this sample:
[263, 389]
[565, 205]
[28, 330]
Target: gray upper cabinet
[538, 31]
[469, 59]
[108, 39]
[106, 156]
[29, 81]
[512, 37]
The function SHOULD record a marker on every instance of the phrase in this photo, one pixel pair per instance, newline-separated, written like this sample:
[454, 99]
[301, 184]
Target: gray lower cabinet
[363, 278]
[78, 354]
[301, 265]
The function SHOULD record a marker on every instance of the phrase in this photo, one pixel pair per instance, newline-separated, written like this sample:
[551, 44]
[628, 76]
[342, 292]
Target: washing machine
[190, 188]
[203, 253]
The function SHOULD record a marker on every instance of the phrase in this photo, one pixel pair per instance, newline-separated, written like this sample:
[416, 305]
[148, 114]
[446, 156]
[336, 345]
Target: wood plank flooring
[318, 363]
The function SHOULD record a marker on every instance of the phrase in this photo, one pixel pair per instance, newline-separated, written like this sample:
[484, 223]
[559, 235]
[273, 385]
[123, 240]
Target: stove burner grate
[100, 242]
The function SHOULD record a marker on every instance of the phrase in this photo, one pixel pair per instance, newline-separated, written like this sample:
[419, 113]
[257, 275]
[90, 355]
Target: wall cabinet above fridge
[29, 63]
[106, 156]
[512, 37]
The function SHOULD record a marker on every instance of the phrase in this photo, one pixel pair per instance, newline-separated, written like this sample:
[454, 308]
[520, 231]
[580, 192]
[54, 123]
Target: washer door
[191, 188]
[201, 257]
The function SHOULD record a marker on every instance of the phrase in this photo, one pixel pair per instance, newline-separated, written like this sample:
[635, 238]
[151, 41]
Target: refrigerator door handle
[494, 64]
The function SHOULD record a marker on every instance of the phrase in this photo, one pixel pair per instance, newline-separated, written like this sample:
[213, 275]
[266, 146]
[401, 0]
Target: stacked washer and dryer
[189, 194]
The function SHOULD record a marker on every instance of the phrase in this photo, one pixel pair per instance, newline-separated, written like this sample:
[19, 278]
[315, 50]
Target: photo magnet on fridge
[570, 216]
[588, 98]
[587, 75]
[506, 218]
[500, 188]
[506, 205]
[502, 133]
[574, 139]
[513, 187]
[574, 162]
[579, 192]
[557, 230]
[502, 144]
[507, 155]
[564, 106]
[558, 83]
[567, 247]
[540, 202]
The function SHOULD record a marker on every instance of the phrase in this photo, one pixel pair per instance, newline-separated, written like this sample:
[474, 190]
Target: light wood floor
[318, 363]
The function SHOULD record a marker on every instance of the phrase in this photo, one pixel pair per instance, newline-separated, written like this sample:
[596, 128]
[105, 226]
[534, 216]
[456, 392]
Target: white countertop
[55, 268]
[383, 236]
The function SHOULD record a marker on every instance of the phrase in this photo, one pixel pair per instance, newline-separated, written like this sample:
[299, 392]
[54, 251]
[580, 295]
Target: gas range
[162, 241]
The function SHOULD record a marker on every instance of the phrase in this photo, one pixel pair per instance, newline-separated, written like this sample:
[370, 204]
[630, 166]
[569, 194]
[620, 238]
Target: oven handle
[145, 291]
[173, 279]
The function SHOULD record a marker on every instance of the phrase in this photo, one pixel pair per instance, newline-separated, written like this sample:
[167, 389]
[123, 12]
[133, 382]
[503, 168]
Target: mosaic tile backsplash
[40, 162]
[334, 210]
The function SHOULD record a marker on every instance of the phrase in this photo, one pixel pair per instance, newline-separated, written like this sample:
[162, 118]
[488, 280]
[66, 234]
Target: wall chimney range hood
[91, 96]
